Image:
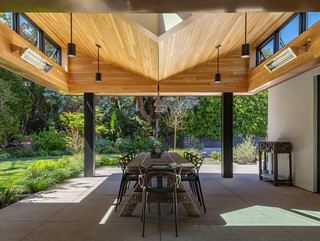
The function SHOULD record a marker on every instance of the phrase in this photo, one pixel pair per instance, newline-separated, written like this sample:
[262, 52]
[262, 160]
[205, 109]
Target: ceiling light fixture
[71, 46]
[218, 75]
[98, 75]
[245, 48]
[33, 58]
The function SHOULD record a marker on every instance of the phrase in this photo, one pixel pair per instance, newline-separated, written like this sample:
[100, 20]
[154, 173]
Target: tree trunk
[175, 137]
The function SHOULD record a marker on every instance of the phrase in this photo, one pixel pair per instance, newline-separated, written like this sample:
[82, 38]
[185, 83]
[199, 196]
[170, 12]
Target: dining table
[166, 158]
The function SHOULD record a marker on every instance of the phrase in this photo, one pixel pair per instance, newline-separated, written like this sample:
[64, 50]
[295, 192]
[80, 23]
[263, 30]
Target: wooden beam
[56, 79]
[115, 81]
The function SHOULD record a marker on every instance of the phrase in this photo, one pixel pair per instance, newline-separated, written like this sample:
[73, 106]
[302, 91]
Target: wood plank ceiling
[134, 59]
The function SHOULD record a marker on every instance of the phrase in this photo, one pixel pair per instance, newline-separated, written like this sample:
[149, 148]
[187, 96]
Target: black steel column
[227, 135]
[318, 133]
[89, 134]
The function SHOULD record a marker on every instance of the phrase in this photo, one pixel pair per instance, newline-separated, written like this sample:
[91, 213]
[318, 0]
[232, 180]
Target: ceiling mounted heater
[33, 58]
[285, 57]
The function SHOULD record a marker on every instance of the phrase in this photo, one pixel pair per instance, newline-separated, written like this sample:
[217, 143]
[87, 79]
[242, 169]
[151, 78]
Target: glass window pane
[266, 51]
[50, 50]
[289, 32]
[28, 31]
[312, 18]
[6, 18]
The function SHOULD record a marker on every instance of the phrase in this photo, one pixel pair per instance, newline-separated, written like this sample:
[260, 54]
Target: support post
[89, 134]
[227, 135]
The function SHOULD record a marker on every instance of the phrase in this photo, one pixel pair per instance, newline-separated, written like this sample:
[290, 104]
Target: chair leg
[144, 212]
[204, 207]
[197, 191]
[119, 194]
[175, 210]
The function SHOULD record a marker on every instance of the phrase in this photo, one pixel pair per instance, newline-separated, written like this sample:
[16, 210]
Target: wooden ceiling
[133, 59]
[186, 46]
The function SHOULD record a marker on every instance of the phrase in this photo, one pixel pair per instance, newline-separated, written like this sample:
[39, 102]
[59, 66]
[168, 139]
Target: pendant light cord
[218, 62]
[71, 25]
[98, 46]
[245, 26]
[98, 60]
[158, 72]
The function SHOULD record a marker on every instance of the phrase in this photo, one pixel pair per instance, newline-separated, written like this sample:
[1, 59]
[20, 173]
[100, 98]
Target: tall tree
[177, 109]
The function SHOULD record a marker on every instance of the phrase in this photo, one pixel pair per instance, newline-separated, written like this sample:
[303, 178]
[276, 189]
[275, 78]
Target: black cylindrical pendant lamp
[71, 50]
[98, 75]
[217, 78]
[71, 47]
[245, 48]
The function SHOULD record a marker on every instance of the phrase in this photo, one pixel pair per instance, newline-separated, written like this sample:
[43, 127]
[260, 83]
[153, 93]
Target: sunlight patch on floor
[266, 216]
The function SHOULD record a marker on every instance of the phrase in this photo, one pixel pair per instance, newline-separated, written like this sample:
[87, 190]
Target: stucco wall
[291, 118]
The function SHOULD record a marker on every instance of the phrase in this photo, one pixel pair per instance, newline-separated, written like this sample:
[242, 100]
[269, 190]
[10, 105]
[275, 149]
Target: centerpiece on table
[156, 152]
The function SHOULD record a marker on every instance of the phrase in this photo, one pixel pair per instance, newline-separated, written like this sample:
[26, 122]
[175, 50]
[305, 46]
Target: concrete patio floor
[241, 208]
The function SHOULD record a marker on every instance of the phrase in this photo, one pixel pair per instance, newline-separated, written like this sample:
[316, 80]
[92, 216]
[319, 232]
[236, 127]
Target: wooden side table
[274, 148]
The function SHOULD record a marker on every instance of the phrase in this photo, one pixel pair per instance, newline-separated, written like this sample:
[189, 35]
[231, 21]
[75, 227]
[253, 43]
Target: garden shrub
[4, 155]
[123, 144]
[216, 155]
[106, 161]
[50, 140]
[102, 144]
[55, 153]
[111, 150]
[182, 151]
[8, 196]
[46, 173]
[245, 152]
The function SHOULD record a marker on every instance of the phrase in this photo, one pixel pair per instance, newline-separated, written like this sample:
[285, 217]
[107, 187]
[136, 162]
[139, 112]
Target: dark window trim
[275, 34]
[54, 44]
[42, 34]
[263, 44]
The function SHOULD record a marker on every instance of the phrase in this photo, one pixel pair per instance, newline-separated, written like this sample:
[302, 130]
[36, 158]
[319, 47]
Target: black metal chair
[193, 178]
[171, 173]
[123, 161]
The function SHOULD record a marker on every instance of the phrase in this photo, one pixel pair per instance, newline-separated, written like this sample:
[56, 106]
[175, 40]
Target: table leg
[275, 168]
[260, 165]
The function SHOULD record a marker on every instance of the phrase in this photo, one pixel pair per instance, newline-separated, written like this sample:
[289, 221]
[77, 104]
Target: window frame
[54, 44]
[263, 44]
[276, 34]
[42, 34]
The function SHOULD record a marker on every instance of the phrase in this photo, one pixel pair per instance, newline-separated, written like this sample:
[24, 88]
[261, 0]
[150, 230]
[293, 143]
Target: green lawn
[210, 161]
[12, 169]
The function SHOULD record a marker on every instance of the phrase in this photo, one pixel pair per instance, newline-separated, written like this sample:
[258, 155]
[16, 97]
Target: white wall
[291, 118]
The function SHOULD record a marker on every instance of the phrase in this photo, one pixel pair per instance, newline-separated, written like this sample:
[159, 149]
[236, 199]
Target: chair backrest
[123, 161]
[195, 160]
[147, 172]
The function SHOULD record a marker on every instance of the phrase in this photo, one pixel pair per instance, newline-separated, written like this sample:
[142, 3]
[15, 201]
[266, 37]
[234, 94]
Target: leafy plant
[106, 161]
[50, 140]
[245, 152]
[102, 144]
[46, 173]
[7, 196]
[216, 155]
[4, 155]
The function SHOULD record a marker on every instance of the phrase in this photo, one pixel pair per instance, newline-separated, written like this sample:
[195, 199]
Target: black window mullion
[15, 22]
[41, 41]
[302, 22]
[276, 43]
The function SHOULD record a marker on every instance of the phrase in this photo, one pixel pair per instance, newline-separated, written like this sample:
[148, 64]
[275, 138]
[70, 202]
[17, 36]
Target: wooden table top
[166, 158]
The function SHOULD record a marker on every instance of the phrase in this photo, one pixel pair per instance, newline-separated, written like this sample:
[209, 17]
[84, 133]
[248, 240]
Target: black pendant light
[218, 75]
[98, 75]
[245, 48]
[71, 46]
